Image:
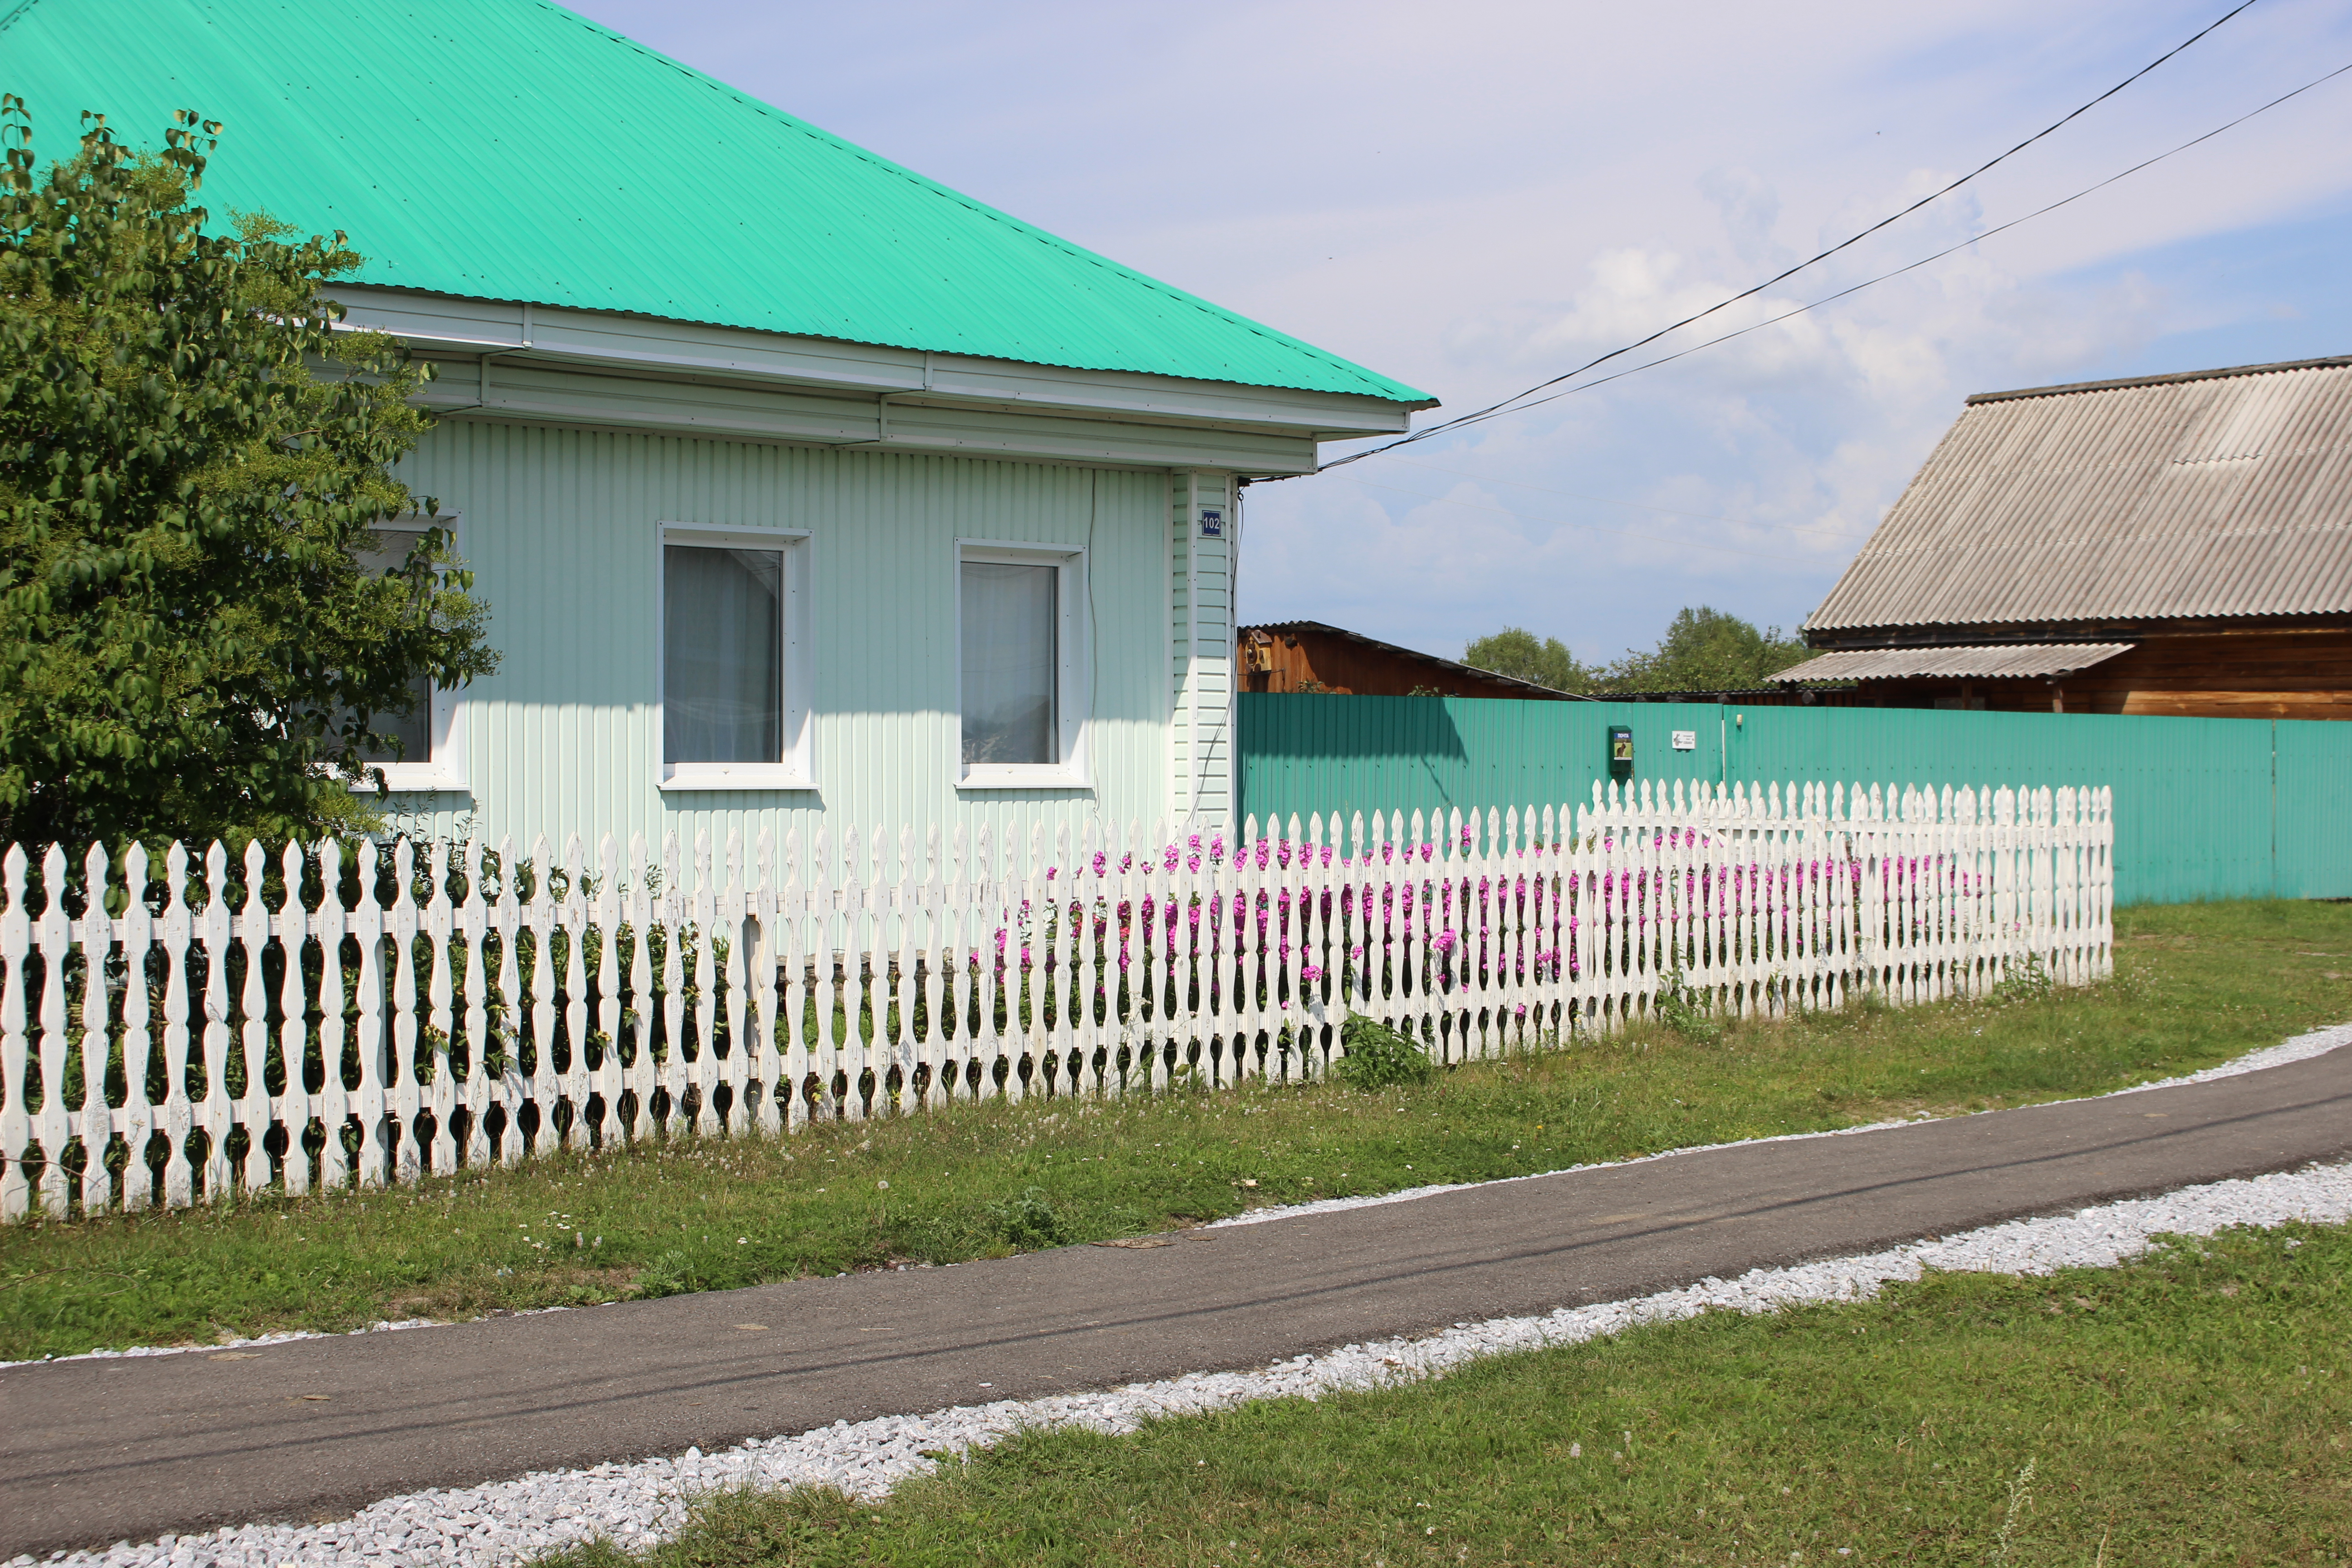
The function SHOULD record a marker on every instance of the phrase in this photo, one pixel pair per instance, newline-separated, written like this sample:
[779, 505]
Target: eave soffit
[445, 326]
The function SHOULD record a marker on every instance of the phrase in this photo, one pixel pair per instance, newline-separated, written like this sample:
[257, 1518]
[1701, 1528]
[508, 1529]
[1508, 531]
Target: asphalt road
[95, 1451]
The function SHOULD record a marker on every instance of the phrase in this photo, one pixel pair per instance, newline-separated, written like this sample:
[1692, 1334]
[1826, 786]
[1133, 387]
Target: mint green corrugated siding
[510, 150]
[560, 526]
[2199, 802]
[2312, 825]
[2192, 795]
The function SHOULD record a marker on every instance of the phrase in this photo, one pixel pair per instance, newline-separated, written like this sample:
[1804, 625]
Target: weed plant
[2195, 985]
[1375, 1056]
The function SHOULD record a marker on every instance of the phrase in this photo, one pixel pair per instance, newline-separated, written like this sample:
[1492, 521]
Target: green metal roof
[510, 150]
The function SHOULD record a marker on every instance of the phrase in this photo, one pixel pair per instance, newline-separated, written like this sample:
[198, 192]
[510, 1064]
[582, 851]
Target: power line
[1493, 410]
[1883, 277]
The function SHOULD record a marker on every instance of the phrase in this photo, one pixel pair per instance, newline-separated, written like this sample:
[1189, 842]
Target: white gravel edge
[2316, 1042]
[638, 1504]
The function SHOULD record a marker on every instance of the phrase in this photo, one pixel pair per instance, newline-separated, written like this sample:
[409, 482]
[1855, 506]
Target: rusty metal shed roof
[2007, 660]
[2213, 493]
[1449, 665]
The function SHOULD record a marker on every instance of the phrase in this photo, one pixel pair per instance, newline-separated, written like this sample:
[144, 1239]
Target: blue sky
[1476, 196]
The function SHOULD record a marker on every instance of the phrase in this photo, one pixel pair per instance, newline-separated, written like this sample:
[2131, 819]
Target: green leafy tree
[1515, 651]
[193, 461]
[1707, 650]
[1704, 650]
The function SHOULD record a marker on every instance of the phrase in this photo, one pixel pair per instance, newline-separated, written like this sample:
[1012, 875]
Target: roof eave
[525, 331]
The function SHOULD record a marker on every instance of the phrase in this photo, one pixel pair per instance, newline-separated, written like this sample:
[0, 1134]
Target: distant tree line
[1704, 650]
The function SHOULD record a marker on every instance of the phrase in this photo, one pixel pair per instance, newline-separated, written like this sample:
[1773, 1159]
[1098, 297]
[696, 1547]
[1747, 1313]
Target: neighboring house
[1309, 657]
[804, 491]
[2174, 545]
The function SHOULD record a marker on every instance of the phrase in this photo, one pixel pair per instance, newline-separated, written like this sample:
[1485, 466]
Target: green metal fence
[2205, 808]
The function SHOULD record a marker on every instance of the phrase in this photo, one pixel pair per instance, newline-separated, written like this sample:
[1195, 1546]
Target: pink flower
[1309, 973]
[1445, 941]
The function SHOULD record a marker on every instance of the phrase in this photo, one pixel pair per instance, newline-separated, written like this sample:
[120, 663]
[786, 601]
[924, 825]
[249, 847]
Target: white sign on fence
[174, 1028]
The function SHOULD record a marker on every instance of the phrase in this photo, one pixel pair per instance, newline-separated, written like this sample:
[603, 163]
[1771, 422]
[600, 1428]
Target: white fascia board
[523, 390]
[1159, 399]
[440, 324]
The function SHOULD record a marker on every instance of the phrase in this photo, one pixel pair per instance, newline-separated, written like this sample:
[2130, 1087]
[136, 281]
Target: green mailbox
[1621, 750]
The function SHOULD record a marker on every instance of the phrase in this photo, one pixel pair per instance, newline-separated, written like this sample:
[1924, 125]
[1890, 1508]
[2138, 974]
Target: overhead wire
[1883, 277]
[1508, 403]
[1799, 310]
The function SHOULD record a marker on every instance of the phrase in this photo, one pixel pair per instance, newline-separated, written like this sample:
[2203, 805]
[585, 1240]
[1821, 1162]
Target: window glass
[1009, 613]
[722, 655]
[413, 730]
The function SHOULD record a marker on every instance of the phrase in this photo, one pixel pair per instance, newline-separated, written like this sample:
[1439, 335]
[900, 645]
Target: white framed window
[1021, 637]
[432, 751]
[734, 710]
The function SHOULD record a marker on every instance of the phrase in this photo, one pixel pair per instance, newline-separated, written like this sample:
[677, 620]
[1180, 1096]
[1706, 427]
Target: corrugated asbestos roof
[2214, 494]
[1962, 663]
[510, 150]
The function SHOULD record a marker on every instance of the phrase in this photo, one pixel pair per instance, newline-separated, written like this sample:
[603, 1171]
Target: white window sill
[734, 775]
[1023, 775]
[413, 778]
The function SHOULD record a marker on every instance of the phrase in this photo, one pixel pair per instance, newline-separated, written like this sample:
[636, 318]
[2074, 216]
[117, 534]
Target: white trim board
[1073, 663]
[796, 768]
[447, 324]
[445, 772]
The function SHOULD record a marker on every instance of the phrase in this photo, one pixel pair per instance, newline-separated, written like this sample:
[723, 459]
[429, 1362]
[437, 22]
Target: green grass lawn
[2190, 1408]
[2195, 985]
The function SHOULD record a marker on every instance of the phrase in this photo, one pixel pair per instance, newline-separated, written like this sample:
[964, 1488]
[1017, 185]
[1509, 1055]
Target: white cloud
[1474, 197]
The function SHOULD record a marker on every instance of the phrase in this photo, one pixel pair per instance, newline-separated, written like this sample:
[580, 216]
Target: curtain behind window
[722, 655]
[1010, 614]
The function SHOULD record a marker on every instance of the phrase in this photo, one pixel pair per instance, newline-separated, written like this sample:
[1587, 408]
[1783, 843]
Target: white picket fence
[181, 1028]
